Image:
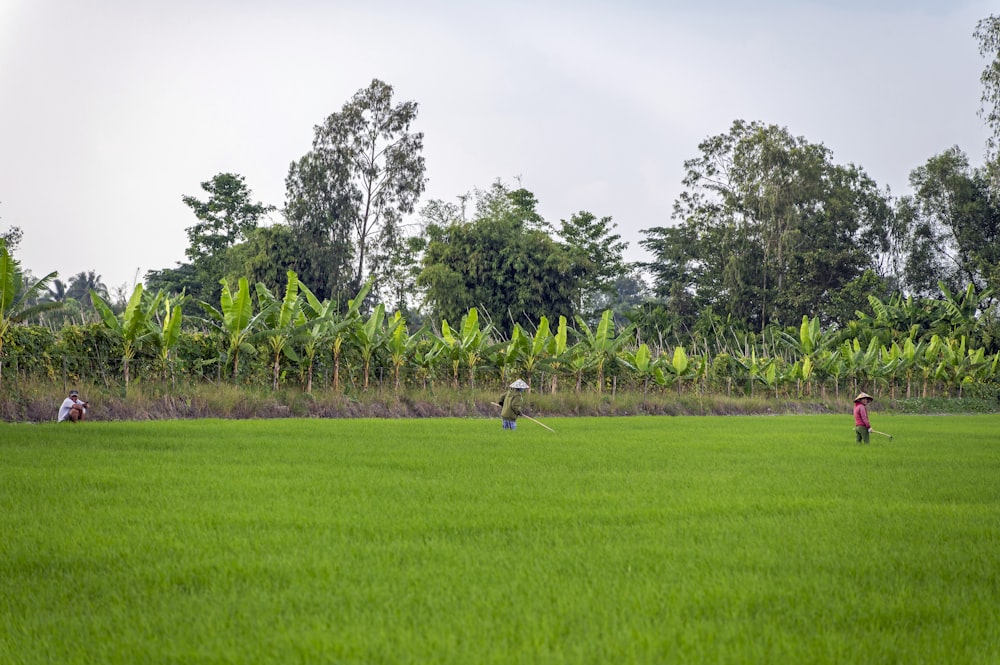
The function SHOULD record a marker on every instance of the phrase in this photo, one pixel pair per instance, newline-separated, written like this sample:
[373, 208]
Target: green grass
[625, 540]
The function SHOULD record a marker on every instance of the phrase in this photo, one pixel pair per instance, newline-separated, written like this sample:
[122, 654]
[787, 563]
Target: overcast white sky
[111, 111]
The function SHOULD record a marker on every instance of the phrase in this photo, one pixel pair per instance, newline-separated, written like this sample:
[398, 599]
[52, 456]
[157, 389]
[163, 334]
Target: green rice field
[610, 540]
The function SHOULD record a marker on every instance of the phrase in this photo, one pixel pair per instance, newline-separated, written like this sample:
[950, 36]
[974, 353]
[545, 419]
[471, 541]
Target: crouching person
[73, 409]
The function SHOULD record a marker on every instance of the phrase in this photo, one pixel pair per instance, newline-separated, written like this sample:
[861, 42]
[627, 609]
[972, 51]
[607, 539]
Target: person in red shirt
[862, 428]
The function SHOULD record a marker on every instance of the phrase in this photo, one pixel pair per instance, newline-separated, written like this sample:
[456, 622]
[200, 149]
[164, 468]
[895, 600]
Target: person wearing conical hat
[511, 403]
[862, 428]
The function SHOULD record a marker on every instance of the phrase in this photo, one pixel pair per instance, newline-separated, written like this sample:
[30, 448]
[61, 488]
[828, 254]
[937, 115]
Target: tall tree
[11, 238]
[501, 263]
[182, 279]
[264, 257]
[987, 33]
[953, 223]
[596, 246]
[378, 162]
[226, 217]
[768, 227]
[317, 207]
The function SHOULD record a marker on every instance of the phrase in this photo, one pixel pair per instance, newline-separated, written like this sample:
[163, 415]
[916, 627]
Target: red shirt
[861, 415]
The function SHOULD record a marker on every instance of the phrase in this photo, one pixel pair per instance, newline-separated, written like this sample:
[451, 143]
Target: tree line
[768, 229]
[255, 337]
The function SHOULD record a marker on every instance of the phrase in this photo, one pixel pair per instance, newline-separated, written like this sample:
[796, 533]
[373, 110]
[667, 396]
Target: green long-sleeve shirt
[511, 404]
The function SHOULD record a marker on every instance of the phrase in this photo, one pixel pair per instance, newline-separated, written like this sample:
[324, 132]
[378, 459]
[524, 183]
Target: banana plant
[450, 347]
[961, 313]
[536, 349]
[401, 345]
[132, 326]
[910, 354]
[773, 375]
[557, 351]
[475, 342]
[930, 361]
[829, 367]
[758, 369]
[810, 341]
[578, 360]
[372, 335]
[280, 319]
[165, 331]
[425, 357]
[236, 320]
[679, 365]
[601, 344]
[325, 325]
[470, 344]
[314, 331]
[16, 299]
[958, 363]
[504, 355]
[802, 371]
[860, 363]
[991, 368]
[645, 366]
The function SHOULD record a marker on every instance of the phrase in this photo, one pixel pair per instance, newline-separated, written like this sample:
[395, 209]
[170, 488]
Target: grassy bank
[37, 402]
[641, 539]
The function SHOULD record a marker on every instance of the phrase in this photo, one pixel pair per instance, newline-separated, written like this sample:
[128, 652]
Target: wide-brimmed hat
[519, 385]
[862, 396]
[73, 392]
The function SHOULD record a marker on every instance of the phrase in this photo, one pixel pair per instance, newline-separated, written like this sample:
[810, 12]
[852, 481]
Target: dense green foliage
[768, 228]
[953, 222]
[502, 262]
[348, 195]
[735, 540]
[772, 242]
[255, 338]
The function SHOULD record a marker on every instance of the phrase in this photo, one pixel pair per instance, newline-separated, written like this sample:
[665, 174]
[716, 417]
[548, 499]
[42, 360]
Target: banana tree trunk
[336, 370]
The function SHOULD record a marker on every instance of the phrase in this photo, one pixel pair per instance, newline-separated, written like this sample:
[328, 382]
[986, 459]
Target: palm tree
[57, 292]
[82, 283]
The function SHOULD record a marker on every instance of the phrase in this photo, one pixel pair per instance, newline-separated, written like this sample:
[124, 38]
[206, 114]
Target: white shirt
[65, 408]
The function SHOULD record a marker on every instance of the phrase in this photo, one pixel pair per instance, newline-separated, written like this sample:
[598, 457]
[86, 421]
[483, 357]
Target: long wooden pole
[538, 423]
[529, 418]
